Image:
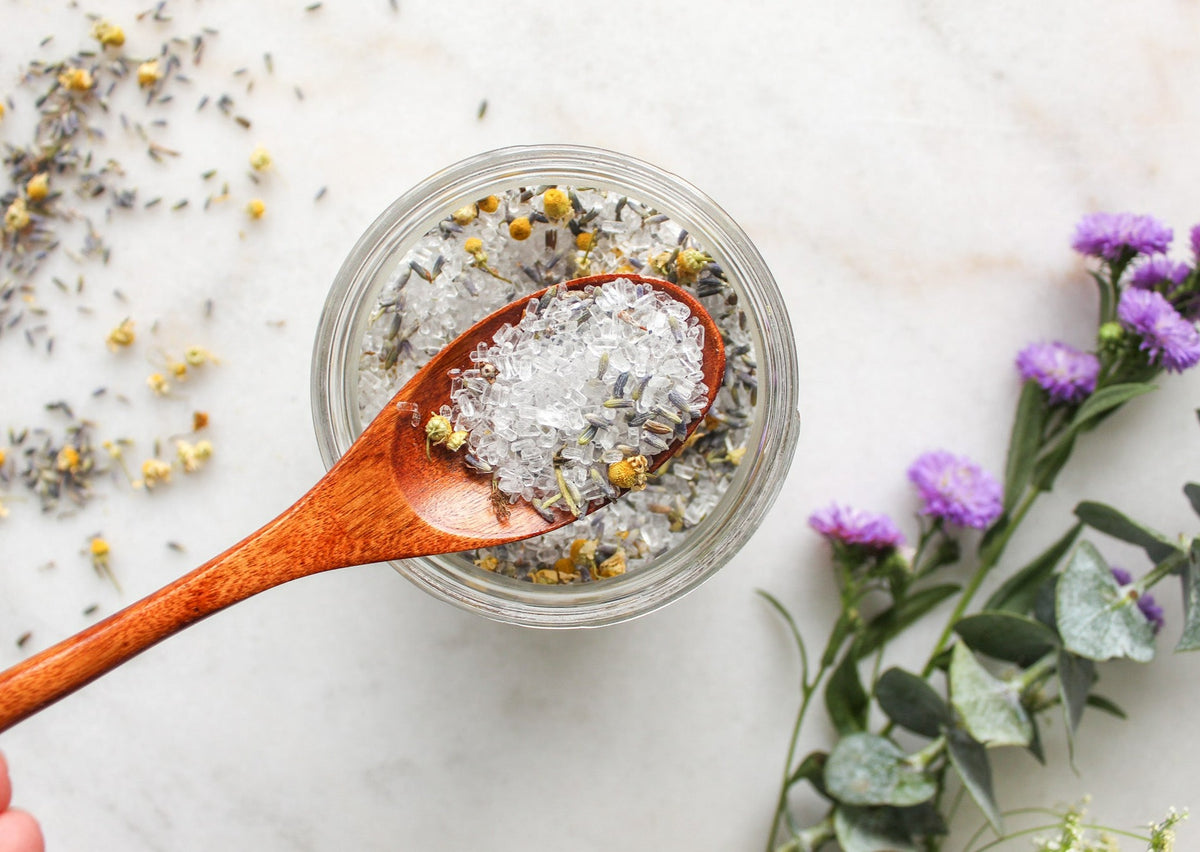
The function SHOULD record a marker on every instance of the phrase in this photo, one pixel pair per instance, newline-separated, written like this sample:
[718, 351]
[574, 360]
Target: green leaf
[1024, 442]
[1007, 636]
[912, 703]
[1051, 460]
[970, 760]
[866, 769]
[1192, 492]
[812, 770]
[1189, 576]
[1035, 743]
[990, 708]
[1019, 591]
[1095, 620]
[791, 623]
[1109, 521]
[1102, 703]
[845, 699]
[1075, 678]
[893, 620]
[871, 830]
[1105, 401]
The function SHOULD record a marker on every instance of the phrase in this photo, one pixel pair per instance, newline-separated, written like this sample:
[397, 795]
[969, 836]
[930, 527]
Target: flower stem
[986, 564]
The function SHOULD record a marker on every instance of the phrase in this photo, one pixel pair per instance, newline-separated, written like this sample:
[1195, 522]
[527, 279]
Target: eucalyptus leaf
[912, 703]
[1095, 620]
[871, 830]
[845, 699]
[1192, 492]
[1189, 640]
[1024, 442]
[990, 708]
[1018, 592]
[1007, 636]
[1109, 521]
[893, 620]
[970, 761]
[867, 769]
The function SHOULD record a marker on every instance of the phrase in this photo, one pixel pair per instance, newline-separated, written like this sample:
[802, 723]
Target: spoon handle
[278, 552]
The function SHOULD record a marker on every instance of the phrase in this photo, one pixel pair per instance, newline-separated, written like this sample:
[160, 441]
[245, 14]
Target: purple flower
[956, 489]
[1110, 235]
[1065, 373]
[1167, 337]
[852, 526]
[1145, 601]
[1196, 241]
[1160, 270]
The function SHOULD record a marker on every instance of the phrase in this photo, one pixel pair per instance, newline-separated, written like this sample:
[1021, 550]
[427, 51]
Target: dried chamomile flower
[456, 439]
[37, 187]
[488, 562]
[192, 456]
[108, 34]
[98, 551]
[3, 109]
[556, 203]
[629, 473]
[76, 79]
[488, 205]
[197, 355]
[437, 431]
[155, 472]
[474, 247]
[16, 217]
[3, 457]
[158, 383]
[520, 228]
[465, 215]
[260, 159]
[148, 74]
[68, 460]
[256, 208]
[613, 566]
[584, 240]
[690, 263]
[120, 336]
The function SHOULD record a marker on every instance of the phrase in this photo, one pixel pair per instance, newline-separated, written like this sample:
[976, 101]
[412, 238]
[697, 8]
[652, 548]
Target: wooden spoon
[384, 499]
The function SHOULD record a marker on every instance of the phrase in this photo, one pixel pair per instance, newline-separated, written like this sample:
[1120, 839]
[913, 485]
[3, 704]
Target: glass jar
[756, 480]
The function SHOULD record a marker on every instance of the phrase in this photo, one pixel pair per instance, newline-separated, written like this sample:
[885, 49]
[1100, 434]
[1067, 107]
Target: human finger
[20, 832]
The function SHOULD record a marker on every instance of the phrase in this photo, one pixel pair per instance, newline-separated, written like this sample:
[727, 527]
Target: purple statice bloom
[1065, 373]
[1196, 242]
[852, 526]
[1167, 338]
[1110, 235]
[1160, 270]
[956, 489]
[1145, 601]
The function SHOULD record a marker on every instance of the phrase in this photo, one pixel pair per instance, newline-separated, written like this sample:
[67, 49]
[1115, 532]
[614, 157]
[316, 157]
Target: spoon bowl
[387, 498]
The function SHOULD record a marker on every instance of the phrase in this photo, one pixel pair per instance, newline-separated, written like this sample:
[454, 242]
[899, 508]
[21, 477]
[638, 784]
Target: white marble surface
[911, 172]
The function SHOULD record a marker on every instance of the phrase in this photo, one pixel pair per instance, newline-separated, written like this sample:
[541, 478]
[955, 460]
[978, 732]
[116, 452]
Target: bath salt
[585, 380]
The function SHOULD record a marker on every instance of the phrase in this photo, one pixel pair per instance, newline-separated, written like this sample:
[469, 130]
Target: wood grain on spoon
[384, 499]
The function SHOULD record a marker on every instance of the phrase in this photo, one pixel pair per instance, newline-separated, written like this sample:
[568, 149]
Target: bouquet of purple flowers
[1032, 648]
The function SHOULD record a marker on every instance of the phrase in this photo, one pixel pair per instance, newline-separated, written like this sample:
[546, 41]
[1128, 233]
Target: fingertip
[5, 784]
[20, 832]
